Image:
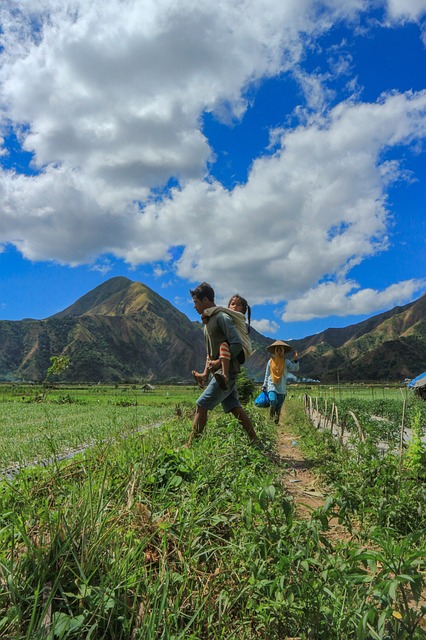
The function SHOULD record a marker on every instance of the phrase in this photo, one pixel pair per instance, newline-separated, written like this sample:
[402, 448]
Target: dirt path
[298, 476]
[300, 480]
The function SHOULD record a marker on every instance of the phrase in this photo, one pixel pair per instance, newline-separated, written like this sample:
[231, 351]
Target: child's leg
[201, 378]
[225, 358]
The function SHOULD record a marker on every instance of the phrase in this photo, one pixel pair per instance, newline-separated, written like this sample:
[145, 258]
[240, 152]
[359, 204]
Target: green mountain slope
[390, 346]
[122, 331]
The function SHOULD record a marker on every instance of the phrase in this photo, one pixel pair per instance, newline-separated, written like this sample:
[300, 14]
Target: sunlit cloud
[267, 327]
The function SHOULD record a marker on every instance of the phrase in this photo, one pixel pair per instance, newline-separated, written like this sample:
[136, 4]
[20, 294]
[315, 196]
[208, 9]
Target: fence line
[323, 422]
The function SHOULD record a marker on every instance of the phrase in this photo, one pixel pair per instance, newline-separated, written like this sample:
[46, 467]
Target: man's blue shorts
[214, 395]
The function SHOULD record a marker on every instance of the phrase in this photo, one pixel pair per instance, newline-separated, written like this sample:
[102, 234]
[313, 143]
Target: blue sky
[272, 148]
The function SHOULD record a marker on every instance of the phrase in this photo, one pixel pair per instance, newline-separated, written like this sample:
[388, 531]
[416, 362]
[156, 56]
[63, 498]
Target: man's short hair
[204, 290]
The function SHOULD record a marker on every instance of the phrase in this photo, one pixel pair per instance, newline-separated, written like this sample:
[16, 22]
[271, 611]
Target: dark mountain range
[387, 347]
[122, 331]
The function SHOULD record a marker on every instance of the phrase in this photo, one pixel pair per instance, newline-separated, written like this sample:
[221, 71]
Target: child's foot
[199, 379]
[221, 380]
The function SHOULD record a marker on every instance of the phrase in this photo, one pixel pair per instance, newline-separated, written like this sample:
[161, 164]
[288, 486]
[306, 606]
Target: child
[237, 308]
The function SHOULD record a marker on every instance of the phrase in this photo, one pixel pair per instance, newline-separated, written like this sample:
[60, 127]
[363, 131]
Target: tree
[58, 366]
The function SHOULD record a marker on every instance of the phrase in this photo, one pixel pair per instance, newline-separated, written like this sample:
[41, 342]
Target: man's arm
[268, 369]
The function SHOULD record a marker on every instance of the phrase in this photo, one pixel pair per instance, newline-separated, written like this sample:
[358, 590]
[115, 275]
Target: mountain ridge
[388, 346]
[124, 331]
[118, 296]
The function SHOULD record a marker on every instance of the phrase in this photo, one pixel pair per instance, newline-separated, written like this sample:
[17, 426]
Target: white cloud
[266, 327]
[109, 98]
[345, 299]
[403, 10]
[103, 267]
[317, 207]
[116, 89]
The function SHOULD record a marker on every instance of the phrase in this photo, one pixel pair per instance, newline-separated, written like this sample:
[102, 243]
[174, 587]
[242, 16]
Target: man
[218, 328]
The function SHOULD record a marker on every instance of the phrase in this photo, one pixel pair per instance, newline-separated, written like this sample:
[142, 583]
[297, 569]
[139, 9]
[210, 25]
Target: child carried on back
[236, 309]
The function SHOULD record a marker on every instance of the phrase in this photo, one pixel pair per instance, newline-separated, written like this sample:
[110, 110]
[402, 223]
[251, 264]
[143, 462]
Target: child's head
[238, 303]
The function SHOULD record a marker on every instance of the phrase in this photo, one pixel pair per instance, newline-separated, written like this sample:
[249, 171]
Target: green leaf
[63, 623]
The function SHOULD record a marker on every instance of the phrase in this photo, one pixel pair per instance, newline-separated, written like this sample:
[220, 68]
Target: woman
[276, 373]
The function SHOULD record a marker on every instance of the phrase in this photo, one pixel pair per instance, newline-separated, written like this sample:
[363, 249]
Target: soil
[301, 482]
[299, 476]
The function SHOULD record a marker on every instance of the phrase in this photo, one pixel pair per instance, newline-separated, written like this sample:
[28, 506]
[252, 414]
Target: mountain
[122, 331]
[387, 347]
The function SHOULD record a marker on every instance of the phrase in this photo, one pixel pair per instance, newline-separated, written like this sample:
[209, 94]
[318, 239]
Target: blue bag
[262, 400]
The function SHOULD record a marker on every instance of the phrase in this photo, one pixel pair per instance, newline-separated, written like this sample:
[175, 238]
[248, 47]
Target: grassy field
[361, 391]
[72, 416]
[139, 538]
[35, 427]
[98, 394]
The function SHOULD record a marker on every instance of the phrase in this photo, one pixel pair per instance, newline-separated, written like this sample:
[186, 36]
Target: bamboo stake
[401, 438]
[361, 435]
[337, 420]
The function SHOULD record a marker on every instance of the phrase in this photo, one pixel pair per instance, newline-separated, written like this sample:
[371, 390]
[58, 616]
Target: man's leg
[245, 422]
[200, 421]
[208, 400]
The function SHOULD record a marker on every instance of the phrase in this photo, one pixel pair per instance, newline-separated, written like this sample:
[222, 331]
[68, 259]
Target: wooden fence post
[342, 432]
[401, 437]
[361, 435]
[333, 409]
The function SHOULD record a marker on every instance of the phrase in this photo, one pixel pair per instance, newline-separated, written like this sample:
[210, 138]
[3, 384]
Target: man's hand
[213, 365]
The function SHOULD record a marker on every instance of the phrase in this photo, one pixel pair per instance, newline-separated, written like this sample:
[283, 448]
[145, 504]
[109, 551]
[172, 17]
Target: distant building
[148, 387]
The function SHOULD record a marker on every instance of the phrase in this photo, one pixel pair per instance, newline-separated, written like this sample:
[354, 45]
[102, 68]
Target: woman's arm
[265, 381]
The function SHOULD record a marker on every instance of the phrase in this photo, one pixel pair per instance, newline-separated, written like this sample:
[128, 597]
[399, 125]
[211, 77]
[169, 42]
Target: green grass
[140, 538]
[99, 394]
[36, 432]
[70, 417]
[360, 391]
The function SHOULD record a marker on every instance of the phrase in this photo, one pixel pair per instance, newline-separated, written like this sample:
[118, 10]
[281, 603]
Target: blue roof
[419, 381]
